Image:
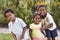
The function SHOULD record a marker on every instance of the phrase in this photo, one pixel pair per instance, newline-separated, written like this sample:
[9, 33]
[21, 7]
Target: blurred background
[24, 9]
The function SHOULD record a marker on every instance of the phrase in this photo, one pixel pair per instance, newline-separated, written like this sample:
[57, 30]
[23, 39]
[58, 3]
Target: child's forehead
[41, 8]
[37, 16]
[9, 13]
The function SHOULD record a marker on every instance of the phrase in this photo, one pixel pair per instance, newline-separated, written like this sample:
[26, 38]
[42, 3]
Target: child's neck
[36, 23]
[13, 20]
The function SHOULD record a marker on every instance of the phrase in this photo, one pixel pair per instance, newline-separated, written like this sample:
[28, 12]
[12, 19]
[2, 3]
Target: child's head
[9, 14]
[42, 9]
[36, 18]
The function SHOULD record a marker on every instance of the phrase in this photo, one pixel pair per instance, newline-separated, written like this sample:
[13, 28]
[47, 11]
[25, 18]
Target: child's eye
[10, 15]
[42, 10]
[37, 18]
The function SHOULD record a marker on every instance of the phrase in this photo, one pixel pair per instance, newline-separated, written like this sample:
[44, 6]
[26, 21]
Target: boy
[17, 27]
[51, 32]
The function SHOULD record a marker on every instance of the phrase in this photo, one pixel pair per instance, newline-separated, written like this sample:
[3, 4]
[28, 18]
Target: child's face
[36, 19]
[10, 16]
[42, 10]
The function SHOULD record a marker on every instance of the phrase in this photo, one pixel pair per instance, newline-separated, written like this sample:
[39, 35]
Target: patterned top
[36, 30]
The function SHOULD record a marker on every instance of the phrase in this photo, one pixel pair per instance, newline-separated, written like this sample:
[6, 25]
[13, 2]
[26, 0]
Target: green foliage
[55, 11]
[22, 9]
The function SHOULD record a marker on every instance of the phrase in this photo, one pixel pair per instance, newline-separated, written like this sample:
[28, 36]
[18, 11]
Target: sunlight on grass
[5, 36]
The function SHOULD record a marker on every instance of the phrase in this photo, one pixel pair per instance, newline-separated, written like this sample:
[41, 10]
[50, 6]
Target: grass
[5, 36]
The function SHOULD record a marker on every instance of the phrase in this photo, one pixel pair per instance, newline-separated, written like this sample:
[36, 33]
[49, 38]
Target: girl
[35, 28]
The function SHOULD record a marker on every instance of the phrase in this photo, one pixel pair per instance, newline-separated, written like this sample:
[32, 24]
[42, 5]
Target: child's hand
[21, 37]
[42, 28]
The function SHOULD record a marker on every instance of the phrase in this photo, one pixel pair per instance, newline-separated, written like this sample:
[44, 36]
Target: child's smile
[37, 19]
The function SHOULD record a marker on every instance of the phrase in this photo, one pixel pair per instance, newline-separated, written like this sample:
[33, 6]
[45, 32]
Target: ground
[5, 34]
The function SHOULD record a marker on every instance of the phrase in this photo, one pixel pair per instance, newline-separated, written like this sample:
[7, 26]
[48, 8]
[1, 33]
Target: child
[51, 31]
[17, 27]
[35, 28]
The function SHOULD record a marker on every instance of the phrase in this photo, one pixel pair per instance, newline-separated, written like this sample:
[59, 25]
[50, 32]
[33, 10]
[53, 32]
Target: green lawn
[5, 36]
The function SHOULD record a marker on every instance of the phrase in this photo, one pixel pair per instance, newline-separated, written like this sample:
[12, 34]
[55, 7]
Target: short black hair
[41, 6]
[8, 10]
[35, 14]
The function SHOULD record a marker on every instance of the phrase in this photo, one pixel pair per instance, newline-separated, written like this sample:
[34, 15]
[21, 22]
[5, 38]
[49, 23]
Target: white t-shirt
[17, 26]
[50, 20]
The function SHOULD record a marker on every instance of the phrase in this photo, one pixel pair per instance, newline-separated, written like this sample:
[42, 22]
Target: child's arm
[30, 34]
[14, 36]
[23, 32]
[47, 25]
[44, 33]
[50, 25]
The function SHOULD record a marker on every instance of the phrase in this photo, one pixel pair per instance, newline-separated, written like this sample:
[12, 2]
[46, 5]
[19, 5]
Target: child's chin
[37, 22]
[11, 20]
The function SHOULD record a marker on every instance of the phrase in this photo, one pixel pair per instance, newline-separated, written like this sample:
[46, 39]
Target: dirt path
[4, 30]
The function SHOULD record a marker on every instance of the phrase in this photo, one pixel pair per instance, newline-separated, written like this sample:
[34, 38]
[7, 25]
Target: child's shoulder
[18, 19]
[9, 23]
[32, 24]
[49, 15]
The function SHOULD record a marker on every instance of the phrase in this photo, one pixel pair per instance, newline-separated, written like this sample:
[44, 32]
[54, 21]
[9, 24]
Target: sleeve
[50, 19]
[10, 29]
[31, 27]
[23, 24]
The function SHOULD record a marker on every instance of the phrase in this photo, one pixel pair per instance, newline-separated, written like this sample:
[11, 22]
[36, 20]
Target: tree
[25, 9]
[54, 8]
[22, 9]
